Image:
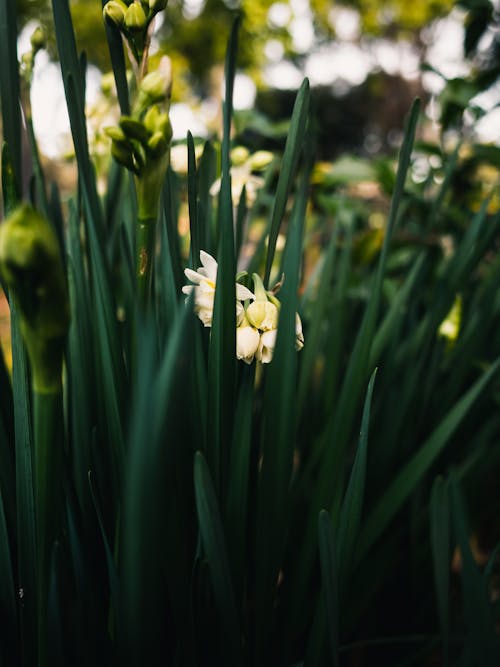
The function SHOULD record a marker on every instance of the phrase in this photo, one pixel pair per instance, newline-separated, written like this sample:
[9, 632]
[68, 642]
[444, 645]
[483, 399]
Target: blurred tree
[197, 29]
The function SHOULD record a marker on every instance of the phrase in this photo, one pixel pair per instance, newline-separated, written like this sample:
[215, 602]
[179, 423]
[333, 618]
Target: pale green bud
[152, 118]
[31, 266]
[114, 12]
[239, 155]
[260, 160]
[135, 18]
[134, 129]
[155, 85]
[115, 133]
[263, 315]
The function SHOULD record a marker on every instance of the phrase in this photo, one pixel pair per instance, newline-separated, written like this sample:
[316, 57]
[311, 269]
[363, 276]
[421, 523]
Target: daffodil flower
[267, 343]
[299, 336]
[247, 342]
[205, 279]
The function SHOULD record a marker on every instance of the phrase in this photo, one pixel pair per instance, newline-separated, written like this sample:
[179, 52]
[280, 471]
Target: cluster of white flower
[256, 312]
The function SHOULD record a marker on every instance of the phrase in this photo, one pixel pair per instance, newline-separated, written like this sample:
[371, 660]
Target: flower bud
[263, 315]
[114, 12]
[116, 134]
[239, 155]
[38, 40]
[135, 18]
[260, 160]
[123, 155]
[134, 129]
[31, 266]
[156, 6]
[155, 85]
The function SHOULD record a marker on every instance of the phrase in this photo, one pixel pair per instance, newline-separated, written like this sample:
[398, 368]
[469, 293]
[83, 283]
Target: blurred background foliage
[355, 113]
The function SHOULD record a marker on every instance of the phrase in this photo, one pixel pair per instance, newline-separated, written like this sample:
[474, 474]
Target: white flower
[247, 343]
[266, 346]
[205, 279]
[299, 336]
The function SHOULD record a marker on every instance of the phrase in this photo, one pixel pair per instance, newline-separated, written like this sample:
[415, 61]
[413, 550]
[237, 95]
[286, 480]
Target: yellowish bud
[134, 129]
[263, 315]
[156, 6]
[155, 85]
[135, 18]
[114, 12]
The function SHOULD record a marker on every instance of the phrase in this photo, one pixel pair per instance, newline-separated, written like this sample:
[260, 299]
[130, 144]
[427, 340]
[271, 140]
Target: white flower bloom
[299, 336]
[205, 279]
[266, 346]
[247, 343]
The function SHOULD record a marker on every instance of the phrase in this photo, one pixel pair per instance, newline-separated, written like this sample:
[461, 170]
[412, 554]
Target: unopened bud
[134, 129]
[260, 160]
[114, 12]
[239, 155]
[156, 6]
[152, 118]
[155, 85]
[263, 315]
[135, 18]
[123, 155]
[115, 133]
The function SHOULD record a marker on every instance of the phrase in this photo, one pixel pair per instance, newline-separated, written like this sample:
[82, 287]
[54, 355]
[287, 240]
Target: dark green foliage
[296, 513]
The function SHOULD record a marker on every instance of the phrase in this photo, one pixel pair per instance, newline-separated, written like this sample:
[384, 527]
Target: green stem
[48, 441]
[146, 236]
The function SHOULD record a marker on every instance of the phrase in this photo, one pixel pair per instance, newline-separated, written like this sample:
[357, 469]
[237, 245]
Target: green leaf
[279, 430]
[212, 535]
[197, 234]
[350, 513]
[8, 603]
[482, 643]
[119, 67]
[330, 581]
[26, 537]
[9, 89]
[222, 351]
[289, 162]
[405, 481]
[440, 542]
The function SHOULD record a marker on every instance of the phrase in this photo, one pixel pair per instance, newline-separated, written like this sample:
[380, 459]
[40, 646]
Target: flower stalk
[141, 142]
[32, 269]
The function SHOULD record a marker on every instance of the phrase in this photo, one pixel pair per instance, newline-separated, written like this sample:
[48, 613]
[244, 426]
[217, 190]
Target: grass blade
[330, 581]
[288, 166]
[350, 513]
[440, 541]
[214, 546]
[9, 88]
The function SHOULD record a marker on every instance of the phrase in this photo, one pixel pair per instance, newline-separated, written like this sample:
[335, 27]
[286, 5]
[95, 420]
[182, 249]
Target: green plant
[211, 511]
